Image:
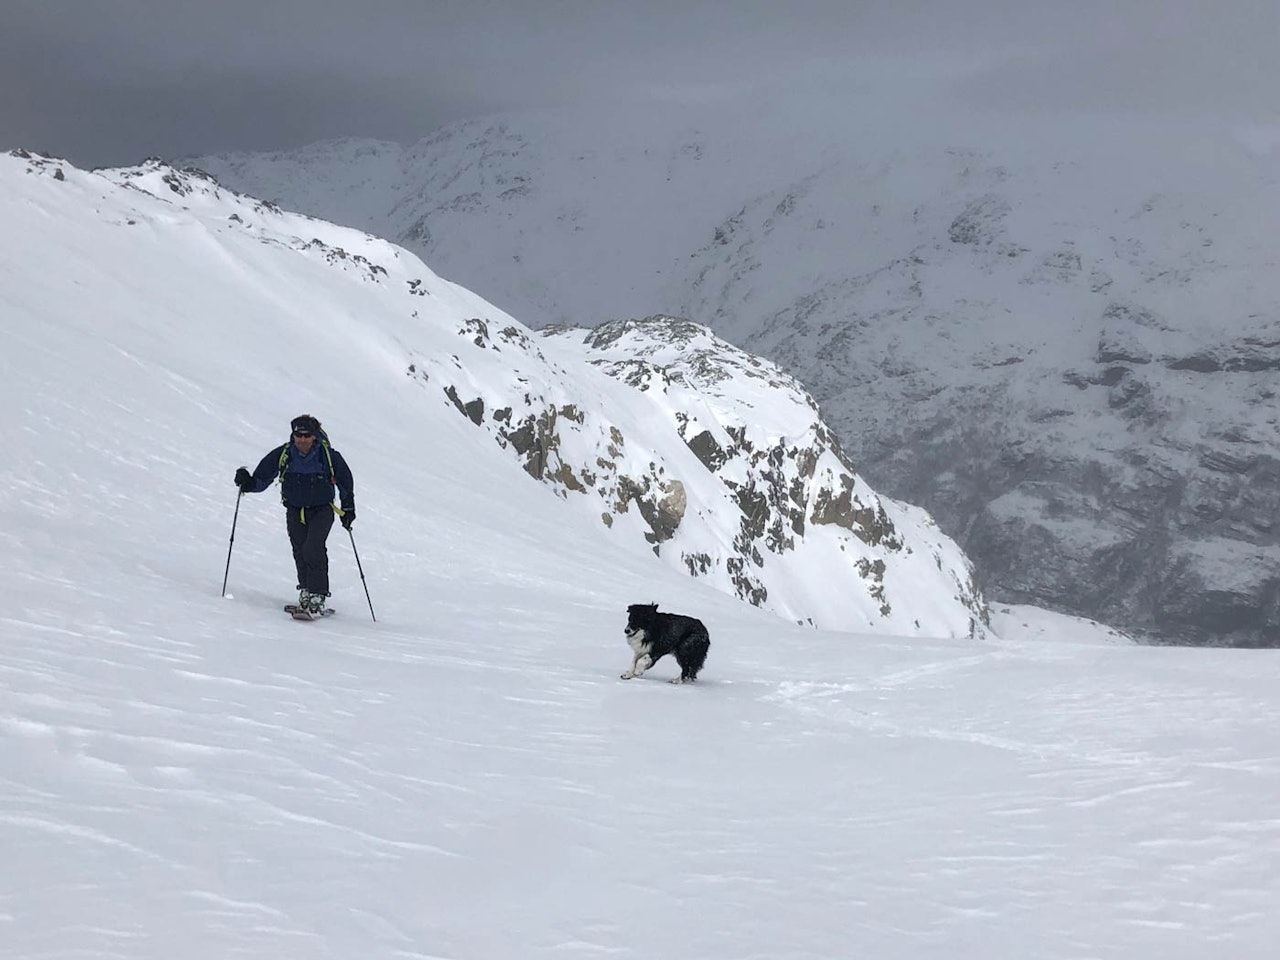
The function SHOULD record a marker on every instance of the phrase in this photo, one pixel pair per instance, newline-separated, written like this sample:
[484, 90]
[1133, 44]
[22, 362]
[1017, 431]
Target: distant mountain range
[1061, 338]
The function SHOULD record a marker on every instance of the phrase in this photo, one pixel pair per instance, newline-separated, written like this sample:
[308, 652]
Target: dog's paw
[626, 676]
[680, 680]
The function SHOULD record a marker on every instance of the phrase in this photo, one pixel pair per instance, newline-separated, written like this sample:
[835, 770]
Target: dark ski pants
[308, 530]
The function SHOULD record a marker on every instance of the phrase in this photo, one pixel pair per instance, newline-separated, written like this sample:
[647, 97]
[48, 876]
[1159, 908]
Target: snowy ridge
[596, 442]
[768, 513]
[801, 505]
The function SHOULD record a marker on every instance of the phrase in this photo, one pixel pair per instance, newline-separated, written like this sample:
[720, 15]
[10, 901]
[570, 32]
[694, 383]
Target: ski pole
[361, 569]
[226, 573]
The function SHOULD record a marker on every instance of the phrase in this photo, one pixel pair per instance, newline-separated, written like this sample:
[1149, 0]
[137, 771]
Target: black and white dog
[652, 635]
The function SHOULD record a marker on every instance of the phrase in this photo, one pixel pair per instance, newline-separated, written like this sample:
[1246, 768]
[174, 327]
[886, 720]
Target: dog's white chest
[637, 642]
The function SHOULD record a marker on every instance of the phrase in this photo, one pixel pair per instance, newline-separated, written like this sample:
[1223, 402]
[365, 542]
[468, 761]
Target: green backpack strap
[283, 465]
[324, 445]
[333, 476]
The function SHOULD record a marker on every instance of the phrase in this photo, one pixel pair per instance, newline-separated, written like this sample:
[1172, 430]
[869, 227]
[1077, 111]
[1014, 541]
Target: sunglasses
[303, 433]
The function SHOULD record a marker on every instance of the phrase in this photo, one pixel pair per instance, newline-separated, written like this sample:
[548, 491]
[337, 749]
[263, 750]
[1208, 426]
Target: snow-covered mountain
[710, 458]
[1057, 334]
[801, 512]
[198, 776]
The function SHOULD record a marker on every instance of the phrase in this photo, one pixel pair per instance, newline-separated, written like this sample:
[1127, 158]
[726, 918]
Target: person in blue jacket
[309, 471]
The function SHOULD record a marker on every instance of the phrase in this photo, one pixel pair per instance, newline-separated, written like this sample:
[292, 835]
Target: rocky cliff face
[718, 461]
[1062, 341]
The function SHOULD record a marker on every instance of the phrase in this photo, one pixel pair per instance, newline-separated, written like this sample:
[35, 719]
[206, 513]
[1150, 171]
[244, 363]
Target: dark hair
[305, 423]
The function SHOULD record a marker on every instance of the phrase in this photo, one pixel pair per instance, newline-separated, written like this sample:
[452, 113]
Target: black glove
[348, 518]
[244, 479]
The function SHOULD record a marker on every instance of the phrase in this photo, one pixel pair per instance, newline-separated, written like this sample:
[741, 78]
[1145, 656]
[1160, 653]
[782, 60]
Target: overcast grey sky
[108, 82]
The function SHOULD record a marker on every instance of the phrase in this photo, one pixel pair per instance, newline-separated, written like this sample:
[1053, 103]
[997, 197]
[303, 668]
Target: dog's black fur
[652, 635]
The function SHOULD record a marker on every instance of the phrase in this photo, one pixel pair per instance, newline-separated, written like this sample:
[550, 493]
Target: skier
[309, 470]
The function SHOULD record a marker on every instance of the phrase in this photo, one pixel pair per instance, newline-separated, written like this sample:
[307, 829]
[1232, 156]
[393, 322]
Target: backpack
[324, 445]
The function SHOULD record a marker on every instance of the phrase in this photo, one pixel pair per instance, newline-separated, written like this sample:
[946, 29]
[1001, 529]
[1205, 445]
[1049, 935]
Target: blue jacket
[307, 481]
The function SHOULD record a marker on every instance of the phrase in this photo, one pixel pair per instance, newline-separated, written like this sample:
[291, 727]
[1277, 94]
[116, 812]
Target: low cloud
[109, 83]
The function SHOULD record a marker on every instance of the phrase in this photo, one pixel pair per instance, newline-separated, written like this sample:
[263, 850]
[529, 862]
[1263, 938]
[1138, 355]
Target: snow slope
[790, 527]
[187, 775]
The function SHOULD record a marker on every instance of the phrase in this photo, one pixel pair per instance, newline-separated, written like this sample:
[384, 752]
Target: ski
[299, 614]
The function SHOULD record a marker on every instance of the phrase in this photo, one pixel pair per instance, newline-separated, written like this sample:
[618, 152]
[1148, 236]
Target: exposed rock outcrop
[716, 460]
